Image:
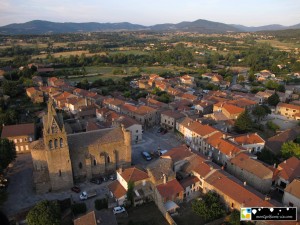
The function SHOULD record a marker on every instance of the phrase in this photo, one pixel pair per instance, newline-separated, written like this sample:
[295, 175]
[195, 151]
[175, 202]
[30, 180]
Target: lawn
[147, 214]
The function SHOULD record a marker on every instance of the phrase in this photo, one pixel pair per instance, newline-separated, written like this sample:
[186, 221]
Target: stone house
[288, 110]
[113, 104]
[291, 196]
[169, 118]
[255, 173]
[21, 134]
[74, 104]
[139, 179]
[251, 141]
[35, 94]
[131, 125]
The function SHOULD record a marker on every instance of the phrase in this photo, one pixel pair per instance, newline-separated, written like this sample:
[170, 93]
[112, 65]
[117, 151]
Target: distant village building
[21, 134]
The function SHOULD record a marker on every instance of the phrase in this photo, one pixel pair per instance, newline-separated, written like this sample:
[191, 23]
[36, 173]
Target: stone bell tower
[57, 150]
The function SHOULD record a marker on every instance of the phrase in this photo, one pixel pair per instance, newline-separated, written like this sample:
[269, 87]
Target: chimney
[120, 170]
[211, 168]
[274, 165]
[224, 136]
[165, 178]
[245, 183]
[247, 135]
[284, 161]
[267, 198]
[189, 124]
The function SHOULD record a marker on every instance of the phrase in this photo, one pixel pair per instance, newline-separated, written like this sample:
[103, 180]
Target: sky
[150, 12]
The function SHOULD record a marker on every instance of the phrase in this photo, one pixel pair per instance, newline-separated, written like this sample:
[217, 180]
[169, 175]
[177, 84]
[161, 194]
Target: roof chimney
[165, 178]
[284, 161]
[274, 165]
[245, 183]
[267, 198]
[120, 170]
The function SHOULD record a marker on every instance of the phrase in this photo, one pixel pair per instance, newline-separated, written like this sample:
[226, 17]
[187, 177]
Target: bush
[101, 204]
[272, 126]
[78, 208]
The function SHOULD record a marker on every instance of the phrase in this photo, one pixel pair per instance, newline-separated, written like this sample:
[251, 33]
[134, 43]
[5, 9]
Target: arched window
[80, 165]
[61, 144]
[108, 159]
[55, 143]
[95, 162]
[50, 144]
[59, 173]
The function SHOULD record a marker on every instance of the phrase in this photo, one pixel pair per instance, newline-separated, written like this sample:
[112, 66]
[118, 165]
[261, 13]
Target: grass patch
[186, 215]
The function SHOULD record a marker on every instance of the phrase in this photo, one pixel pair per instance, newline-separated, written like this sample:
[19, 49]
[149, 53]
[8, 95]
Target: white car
[118, 209]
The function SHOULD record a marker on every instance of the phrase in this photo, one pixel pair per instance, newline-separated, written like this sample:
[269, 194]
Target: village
[241, 145]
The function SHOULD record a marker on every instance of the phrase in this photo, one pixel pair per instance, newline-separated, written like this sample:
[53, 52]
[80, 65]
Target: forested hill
[200, 26]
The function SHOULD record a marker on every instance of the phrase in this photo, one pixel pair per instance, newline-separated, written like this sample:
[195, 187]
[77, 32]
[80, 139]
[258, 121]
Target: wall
[22, 142]
[287, 198]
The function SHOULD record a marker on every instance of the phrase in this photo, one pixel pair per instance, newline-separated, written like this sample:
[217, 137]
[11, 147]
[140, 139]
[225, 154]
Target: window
[55, 143]
[165, 121]
[95, 162]
[17, 148]
[22, 148]
[15, 140]
[291, 204]
[30, 138]
[50, 144]
[108, 159]
[136, 131]
[61, 143]
[80, 165]
[59, 173]
[20, 140]
[26, 147]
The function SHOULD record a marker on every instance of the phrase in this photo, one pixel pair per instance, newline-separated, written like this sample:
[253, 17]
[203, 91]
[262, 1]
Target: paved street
[151, 141]
[21, 194]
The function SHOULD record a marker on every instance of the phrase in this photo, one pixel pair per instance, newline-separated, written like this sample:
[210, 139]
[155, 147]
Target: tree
[259, 112]
[240, 79]
[272, 126]
[243, 123]
[210, 208]
[7, 153]
[130, 192]
[289, 149]
[273, 100]
[251, 77]
[44, 213]
[234, 218]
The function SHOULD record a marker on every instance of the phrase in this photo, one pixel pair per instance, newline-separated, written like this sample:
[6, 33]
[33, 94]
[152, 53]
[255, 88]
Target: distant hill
[200, 26]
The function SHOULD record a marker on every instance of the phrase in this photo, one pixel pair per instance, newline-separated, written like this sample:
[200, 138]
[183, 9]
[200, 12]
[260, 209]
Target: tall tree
[259, 112]
[44, 213]
[130, 192]
[273, 100]
[243, 123]
[7, 153]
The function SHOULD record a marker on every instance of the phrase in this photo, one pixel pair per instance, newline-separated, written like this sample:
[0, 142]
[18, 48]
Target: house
[186, 96]
[214, 77]
[113, 104]
[234, 193]
[204, 107]
[243, 103]
[37, 80]
[274, 143]
[262, 96]
[248, 169]
[169, 191]
[139, 179]
[179, 156]
[286, 172]
[190, 185]
[132, 125]
[21, 134]
[87, 219]
[221, 149]
[61, 99]
[291, 196]
[251, 141]
[169, 118]
[288, 110]
[35, 94]
[75, 103]
[229, 110]
[186, 79]
[157, 168]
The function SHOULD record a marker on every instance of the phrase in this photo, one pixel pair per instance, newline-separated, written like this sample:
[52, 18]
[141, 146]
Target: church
[61, 159]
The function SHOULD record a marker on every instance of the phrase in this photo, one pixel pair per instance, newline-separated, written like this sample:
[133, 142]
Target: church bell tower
[57, 150]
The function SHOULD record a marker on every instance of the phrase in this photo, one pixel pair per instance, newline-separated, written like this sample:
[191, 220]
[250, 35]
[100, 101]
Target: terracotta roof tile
[251, 138]
[18, 130]
[232, 109]
[225, 146]
[117, 189]
[87, 219]
[289, 106]
[199, 164]
[173, 114]
[294, 188]
[289, 169]
[186, 182]
[134, 174]
[178, 153]
[169, 189]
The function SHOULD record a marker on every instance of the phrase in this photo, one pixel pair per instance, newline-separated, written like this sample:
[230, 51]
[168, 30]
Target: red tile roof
[186, 182]
[117, 189]
[87, 219]
[289, 106]
[134, 174]
[225, 146]
[178, 153]
[229, 186]
[251, 138]
[289, 169]
[199, 165]
[294, 188]
[18, 130]
[169, 189]
[232, 109]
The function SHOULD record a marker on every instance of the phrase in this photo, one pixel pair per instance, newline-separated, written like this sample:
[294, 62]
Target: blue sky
[150, 12]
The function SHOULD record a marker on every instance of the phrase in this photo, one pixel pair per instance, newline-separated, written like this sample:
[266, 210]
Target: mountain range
[200, 26]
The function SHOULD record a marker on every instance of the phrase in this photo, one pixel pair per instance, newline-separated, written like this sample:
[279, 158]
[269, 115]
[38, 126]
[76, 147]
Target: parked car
[160, 130]
[87, 194]
[96, 181]
[112, 177]
[76, 189]
[146, 156]
[118, 209]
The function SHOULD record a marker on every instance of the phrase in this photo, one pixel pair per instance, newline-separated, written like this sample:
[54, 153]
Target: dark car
[96, 180]
[160, 130]
[76, 189]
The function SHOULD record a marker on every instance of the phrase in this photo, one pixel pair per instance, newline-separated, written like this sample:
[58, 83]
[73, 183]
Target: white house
[291, 196]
